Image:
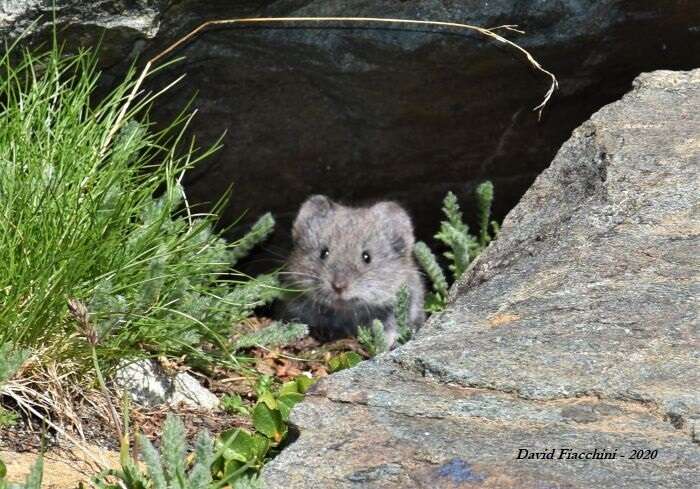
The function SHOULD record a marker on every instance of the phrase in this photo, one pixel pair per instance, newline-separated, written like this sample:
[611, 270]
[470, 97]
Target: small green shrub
[91, 209]
[168, 468]
[462, 246]
[373, 339]
[240, 453]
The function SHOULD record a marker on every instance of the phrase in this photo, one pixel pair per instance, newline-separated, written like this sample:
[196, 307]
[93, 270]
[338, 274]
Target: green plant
[462, 247]
[341, 361]
[435, 300]
[8, 417]
[260, 231]
[11, 358]
[484, 200]
[402, 314]
[454, 233]
[79, 220]
[240, 452]
[276, 334]
[10, 361]
[164, 469]
[373, 338]
[234, 404]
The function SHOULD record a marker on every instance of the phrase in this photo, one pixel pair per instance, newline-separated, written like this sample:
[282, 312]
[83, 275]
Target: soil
[63, 469]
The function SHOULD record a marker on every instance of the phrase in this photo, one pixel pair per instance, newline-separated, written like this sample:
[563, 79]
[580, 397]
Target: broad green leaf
[286, 402]
[304, 383]
[345, 360]
[238, 445]
[269, 422]
[232, 466]
[261, 445]
[290, 387]
[268, 399]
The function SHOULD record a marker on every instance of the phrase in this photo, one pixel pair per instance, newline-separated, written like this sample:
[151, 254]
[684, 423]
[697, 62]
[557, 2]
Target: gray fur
[383, 230]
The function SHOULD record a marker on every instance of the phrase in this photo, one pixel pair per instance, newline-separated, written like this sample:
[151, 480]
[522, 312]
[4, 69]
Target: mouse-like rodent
[349, 264]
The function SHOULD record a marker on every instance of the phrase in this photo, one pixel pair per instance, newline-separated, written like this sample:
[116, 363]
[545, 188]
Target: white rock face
[150, 386]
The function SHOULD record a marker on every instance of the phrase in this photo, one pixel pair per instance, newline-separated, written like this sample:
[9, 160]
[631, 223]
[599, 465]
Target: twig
[489, 32]
[82, 316]
[122, 113]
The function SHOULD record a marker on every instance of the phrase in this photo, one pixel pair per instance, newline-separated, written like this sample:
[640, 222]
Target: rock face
[577, 329]
[399, 113]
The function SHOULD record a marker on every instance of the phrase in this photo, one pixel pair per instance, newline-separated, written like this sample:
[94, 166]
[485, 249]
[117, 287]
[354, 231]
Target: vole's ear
[314, 210]
[396, 224]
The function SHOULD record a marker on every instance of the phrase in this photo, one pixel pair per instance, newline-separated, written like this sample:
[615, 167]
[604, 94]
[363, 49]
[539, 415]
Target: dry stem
[489, 32]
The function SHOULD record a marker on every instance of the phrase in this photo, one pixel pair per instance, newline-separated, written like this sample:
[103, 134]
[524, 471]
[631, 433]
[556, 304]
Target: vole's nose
[339, 285]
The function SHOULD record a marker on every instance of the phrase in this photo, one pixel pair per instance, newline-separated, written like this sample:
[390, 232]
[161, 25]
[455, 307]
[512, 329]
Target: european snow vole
[349, 263]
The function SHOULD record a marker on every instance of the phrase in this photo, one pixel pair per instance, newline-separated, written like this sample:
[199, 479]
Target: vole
[349, 264]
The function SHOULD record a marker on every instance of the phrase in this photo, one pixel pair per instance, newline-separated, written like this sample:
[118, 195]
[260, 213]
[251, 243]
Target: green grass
[91, 209]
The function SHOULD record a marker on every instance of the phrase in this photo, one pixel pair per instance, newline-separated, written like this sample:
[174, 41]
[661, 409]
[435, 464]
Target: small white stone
[150, 386]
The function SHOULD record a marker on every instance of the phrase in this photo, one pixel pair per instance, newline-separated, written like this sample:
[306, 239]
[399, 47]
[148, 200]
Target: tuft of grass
[11, 358]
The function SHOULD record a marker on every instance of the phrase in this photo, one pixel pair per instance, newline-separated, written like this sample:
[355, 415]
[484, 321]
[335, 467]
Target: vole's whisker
[301, 274]
[275, 253]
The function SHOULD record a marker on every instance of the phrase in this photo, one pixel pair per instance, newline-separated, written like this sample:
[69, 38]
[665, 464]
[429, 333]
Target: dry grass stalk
[489, 32]
[82, 317]
[43, 393]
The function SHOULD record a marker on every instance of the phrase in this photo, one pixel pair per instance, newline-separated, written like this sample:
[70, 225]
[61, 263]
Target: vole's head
[349, 257]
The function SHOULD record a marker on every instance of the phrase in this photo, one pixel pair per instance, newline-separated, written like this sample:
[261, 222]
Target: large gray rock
[576, 329]
[361, 113]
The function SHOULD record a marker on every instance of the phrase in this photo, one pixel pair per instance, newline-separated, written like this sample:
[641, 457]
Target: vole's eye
[365, 257]
[324, 253]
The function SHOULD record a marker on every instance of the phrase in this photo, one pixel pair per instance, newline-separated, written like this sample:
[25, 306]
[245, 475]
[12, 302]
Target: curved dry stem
[489, 32]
